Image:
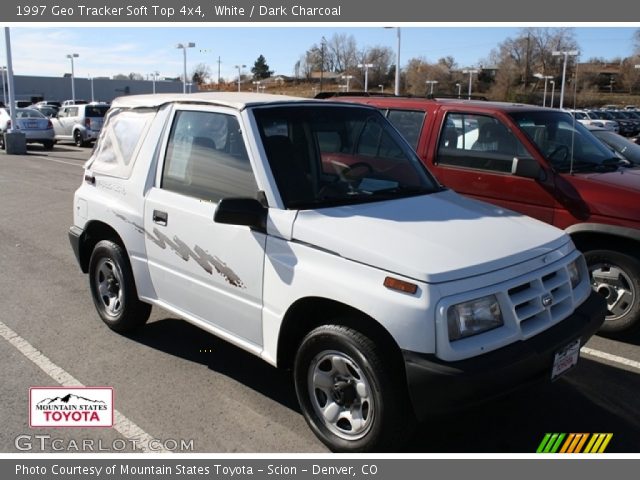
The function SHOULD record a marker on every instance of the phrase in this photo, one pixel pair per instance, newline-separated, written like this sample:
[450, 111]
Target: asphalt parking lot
[173, 381]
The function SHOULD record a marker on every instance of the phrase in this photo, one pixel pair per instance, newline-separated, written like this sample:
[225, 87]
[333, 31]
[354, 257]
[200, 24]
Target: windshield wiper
[608, 165]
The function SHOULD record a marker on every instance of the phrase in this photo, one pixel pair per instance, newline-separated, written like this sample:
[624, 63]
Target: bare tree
[200, 74]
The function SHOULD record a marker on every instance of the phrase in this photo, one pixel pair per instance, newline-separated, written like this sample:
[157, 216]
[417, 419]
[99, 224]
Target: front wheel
[113, 288]
[349, 396]
[616, 276]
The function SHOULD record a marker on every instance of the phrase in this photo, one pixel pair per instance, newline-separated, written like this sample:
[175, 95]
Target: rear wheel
[48, 145]
[2, 145]
[113, 289]
[79, 139]
[349, 396]
[616, 276]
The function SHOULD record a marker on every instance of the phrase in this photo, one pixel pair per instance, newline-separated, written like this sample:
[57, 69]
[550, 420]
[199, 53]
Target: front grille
[541, 302]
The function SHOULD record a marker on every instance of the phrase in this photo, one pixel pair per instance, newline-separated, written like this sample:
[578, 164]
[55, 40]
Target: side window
[62, 113]
[478, 141]
[72, 112]
[409, 124]
[206, 157]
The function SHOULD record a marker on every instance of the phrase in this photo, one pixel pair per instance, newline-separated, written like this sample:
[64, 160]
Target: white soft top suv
[310, 234]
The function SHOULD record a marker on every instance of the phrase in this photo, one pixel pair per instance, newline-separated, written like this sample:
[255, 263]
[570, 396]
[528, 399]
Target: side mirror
[527, 168]
[242, 211]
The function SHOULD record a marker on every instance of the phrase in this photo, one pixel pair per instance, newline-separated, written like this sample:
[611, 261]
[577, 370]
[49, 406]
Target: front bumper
[436, 386]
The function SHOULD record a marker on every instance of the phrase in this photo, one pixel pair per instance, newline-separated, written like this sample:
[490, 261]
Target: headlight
[574, 272]
[473, 317]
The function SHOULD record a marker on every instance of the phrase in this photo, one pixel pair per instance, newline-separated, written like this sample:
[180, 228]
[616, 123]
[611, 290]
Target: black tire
[2, 144]
[616, 276]
[78, 139]
[113, 288]
[48, 145]
[369, 402]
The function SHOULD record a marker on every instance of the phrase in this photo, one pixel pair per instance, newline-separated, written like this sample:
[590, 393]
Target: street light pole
[470, 71]
[459, 85]
[154, 78]
[397, 89]
[184, 47]
[431, 83]
[91, 80]
[239, 67]
[347, 78]
[366, 67]
[565, 54]
[71, 56]
[553, 91]
[4, 91]
[545, 78]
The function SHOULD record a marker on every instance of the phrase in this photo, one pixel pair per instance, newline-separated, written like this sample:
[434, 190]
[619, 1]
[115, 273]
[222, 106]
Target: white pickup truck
[309, 234]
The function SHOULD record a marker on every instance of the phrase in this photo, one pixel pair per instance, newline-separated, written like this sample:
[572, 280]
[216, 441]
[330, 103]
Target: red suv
[540, 162]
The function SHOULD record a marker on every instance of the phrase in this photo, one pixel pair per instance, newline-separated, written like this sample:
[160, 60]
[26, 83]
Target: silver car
[80, 124]
[36, 127]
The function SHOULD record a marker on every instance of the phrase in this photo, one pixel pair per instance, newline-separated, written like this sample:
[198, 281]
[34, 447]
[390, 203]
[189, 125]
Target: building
[104, 89]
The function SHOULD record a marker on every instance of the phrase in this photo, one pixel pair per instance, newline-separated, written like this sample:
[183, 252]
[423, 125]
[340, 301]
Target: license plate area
[565, 359]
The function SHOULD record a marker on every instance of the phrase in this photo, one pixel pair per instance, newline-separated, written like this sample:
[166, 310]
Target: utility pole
[527, 57]
[322, 44]
[219, 61]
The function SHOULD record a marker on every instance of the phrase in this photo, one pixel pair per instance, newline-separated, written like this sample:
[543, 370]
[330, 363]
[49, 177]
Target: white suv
[309, 233]
[79, 123]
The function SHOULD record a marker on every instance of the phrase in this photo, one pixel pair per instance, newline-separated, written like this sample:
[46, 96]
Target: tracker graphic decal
[208, 262]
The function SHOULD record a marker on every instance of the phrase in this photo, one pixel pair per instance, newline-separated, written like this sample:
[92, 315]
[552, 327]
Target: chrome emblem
[547, 300]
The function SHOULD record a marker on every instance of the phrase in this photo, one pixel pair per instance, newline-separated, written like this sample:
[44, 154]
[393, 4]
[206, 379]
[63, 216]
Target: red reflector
[401, 285]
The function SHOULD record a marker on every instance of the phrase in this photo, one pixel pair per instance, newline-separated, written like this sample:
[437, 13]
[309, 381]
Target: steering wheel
[355, 171]
[555, 153]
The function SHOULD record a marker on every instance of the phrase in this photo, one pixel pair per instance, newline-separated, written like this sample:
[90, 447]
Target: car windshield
[565, 143]
[332, 155]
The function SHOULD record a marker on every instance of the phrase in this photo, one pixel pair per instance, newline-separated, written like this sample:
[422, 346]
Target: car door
[474, 156]
[208, 271]
[58, 122]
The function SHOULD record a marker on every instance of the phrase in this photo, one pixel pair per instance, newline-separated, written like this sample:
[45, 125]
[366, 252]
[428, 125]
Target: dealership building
[104, 89]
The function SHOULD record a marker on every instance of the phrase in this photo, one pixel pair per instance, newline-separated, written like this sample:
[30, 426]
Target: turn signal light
[400, 285]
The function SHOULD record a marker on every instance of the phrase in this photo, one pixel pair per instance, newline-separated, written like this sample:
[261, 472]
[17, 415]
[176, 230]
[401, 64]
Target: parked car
[541, 163]
[587, 118]
[36, 127]
[624, 147]
[74, 102]
[628, 126]
[310, 234]
[47, 110]
[79, 123]
[52, 103]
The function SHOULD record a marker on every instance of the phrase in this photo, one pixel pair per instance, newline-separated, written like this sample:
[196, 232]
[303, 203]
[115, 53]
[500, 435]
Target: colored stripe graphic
[574, 443]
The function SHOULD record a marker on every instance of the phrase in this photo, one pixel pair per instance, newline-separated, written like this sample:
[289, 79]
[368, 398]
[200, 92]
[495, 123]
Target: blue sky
[106, 51]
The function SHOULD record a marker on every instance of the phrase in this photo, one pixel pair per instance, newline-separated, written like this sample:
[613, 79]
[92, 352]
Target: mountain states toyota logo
[71, 407]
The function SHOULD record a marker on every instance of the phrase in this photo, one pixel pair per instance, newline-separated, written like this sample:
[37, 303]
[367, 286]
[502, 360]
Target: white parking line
[58, 161]
[122, 425]
[612, 358]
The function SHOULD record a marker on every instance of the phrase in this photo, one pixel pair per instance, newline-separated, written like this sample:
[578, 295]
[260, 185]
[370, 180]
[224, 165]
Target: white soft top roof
[237, 100]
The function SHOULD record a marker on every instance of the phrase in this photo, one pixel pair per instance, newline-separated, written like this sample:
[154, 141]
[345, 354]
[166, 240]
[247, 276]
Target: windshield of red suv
[564, 142]
[328, 155]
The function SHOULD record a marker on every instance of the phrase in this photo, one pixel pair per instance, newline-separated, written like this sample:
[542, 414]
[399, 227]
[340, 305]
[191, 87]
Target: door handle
[160, 217]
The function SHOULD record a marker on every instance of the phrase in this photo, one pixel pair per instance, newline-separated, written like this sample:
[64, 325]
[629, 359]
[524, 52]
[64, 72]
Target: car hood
[431, 238]
[625, 178]
[611, 194]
